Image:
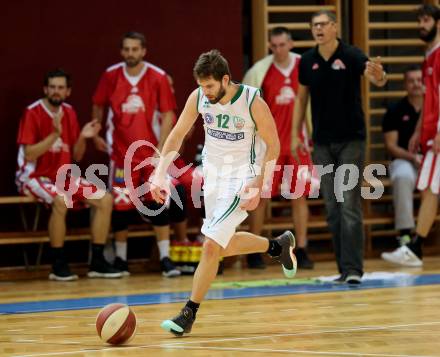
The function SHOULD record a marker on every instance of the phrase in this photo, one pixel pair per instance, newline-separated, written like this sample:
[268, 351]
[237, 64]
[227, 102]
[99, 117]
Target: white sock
[121, 249]
[164, 248]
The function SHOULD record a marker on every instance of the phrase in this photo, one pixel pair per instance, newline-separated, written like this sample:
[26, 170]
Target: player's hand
[100, 143]
[57, 122]
[160, 189]
[91, 129]
[417, 160]
[250, 194]
[298, 146]
[375, 69]
[436, 144]
[414, 142]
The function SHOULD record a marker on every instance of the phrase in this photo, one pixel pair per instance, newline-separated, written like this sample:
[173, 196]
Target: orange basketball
[116, 324]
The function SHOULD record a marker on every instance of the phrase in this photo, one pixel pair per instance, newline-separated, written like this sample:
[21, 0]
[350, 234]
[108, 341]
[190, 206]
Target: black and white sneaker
[353, 279]
[348, 278]
[169, 270]
[61, 272]
[100, 268]
[121, 265]
[287, 258]
[181, 324]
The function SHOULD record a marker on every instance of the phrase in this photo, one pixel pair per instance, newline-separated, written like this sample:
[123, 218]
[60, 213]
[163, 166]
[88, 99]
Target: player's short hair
[211, 63]
[411, 68]
[429, 10]
[58, 73]
[133, 35]
[280, 30]
[330, 14]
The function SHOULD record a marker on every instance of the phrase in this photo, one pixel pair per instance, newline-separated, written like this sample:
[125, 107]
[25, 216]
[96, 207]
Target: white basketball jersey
[231, 139]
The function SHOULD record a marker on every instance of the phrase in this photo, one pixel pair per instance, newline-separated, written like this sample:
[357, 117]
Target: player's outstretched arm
[172, 145]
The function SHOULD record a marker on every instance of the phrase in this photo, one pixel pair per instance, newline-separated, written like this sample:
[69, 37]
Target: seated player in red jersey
[49, 140]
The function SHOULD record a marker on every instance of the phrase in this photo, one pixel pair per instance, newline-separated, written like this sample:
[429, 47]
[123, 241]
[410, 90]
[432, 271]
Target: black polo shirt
[335, 93]
[402, 117]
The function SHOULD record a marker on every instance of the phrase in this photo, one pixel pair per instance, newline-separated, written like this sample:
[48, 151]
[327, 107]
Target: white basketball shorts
[222, 209]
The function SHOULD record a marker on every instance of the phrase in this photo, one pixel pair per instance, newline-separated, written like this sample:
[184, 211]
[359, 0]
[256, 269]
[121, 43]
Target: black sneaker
[100, 268]
[61, 272]
[255, 261]
[121, 265]
[181, 324]
[340, 279]
[287, 258]
[303, 259]
[168, 268]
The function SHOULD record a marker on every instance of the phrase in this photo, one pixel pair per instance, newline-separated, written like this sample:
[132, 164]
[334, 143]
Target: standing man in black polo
[331, 74]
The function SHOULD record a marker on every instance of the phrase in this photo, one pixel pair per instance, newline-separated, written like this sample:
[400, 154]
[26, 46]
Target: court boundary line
[187, 344]
[29, 307]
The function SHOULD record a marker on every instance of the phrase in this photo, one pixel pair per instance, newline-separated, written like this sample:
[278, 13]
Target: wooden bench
[31, 235]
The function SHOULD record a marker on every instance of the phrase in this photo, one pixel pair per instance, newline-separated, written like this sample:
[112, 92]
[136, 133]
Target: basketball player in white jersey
[233, 114]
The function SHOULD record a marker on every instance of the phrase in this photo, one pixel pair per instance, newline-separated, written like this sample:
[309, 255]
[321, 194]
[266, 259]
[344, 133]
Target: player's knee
[161, 219]
[59, 205]
[120, 220]
[159, 216]
[211, 249]
[402, 183]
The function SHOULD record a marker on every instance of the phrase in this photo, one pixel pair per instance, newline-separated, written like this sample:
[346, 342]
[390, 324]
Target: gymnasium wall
[83, 38]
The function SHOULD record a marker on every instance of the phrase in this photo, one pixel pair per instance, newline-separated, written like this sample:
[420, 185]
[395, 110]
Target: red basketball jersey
[35, 125]
[132, 102]
[279, 91]
[431, 81]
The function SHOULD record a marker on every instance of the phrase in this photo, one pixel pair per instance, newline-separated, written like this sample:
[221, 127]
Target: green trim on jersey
[250, 105]
[252, 155]
[198, 99]
[253, 149]
[237, 95]
[230, 209]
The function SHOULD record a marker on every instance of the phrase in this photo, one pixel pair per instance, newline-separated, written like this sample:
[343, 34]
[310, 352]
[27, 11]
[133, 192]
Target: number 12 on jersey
[222, 120]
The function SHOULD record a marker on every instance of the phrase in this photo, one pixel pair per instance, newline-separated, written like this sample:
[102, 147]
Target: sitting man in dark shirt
[398, 125]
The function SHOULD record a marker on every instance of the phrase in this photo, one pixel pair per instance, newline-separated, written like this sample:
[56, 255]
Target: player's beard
[220, 95]
[132, 62]
[56, 102]
[428, 36]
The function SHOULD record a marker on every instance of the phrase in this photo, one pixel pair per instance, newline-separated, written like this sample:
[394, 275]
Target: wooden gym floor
[248, 313]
